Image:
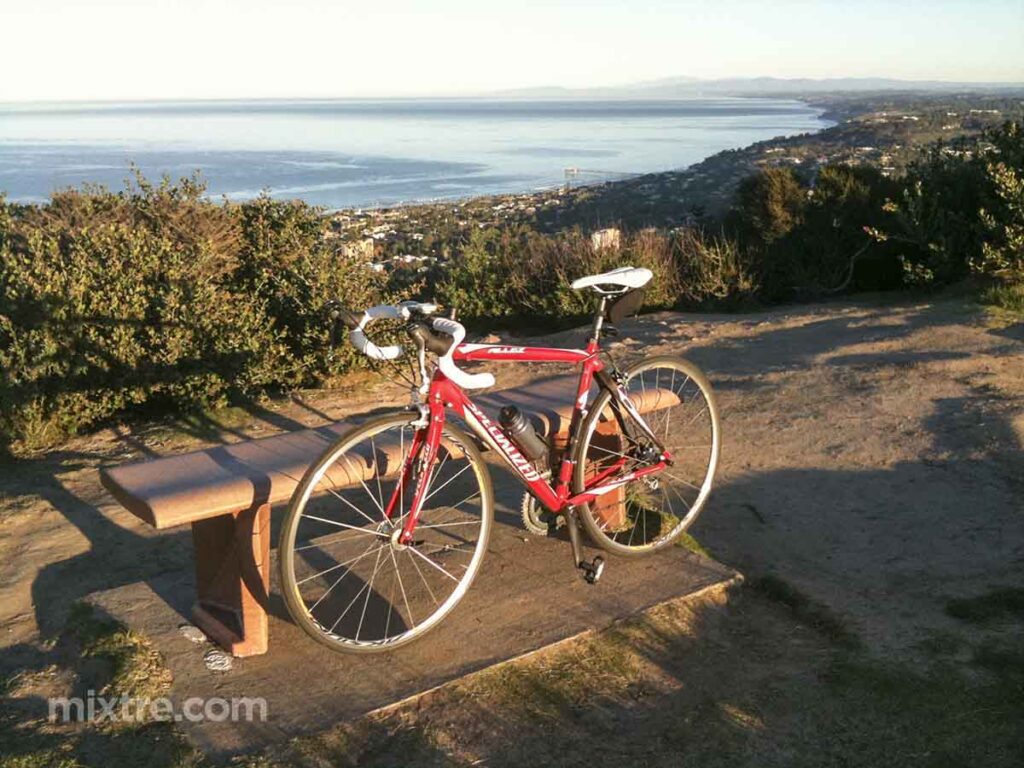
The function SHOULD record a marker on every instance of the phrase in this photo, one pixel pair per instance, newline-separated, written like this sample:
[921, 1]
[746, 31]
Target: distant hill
[689, 87]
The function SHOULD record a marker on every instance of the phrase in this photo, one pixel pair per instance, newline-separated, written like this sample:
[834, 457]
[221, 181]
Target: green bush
[156, 297]
[1002, 254]
[809, 238]
[1009, 297]
[714, 271]
[289, 266]
[768, 205]
[961, 211]
[518, 277]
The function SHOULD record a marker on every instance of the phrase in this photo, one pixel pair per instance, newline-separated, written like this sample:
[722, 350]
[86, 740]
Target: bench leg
[233, 578]
[609, 509]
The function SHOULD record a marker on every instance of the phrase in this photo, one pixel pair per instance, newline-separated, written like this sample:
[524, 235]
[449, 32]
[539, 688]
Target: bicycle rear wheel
[676, 401]
[346, 579]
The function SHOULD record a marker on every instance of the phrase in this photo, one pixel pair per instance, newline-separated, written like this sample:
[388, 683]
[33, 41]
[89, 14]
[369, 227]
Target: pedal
[592, 571]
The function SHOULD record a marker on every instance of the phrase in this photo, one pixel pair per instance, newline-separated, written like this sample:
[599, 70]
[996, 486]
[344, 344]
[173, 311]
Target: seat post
[599, 319]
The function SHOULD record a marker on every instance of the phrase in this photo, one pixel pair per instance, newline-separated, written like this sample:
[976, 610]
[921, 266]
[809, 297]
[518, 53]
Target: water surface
[363, 152]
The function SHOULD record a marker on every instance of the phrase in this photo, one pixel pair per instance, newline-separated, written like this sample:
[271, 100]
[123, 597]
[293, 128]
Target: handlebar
[447, 365]
[358, 335]
[407, 310]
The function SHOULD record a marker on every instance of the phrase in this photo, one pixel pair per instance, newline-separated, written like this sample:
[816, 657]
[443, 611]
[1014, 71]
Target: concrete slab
[526, 597]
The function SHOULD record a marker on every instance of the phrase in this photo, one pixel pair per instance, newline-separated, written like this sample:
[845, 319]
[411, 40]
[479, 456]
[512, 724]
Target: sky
[169, 49]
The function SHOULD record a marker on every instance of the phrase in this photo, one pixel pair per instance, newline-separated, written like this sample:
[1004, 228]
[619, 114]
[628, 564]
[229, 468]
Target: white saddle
[617, 281]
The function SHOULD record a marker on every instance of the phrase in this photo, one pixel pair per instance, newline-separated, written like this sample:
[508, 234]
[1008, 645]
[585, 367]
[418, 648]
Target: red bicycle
[387, 530]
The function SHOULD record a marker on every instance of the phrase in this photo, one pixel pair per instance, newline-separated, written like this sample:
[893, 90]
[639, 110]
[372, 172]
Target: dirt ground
[872, 468]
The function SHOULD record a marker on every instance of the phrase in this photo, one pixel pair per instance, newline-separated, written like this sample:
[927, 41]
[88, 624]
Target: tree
[962, 210]
[767, 206]
[1003, 251]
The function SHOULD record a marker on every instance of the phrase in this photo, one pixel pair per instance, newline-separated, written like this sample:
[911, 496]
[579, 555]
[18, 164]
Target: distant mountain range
[680, 87]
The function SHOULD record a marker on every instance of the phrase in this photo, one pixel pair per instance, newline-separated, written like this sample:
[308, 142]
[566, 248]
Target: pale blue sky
[111, 49]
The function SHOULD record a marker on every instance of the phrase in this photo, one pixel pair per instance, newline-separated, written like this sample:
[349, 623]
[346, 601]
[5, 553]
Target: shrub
[813, 240]
[831, 249]
[935, 221]
[962, 210]
[715, 271]
[1005, 296]
[1002, 253]
[156, 297]
[767, 206]
[518, 277]
[287, 265]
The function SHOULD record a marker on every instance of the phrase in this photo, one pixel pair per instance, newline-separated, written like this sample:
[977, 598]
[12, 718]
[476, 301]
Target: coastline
[832, 118]
[375, 154]
[883, 131]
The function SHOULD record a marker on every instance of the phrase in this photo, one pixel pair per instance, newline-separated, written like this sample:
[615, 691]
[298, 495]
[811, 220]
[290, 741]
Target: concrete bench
[226, 493]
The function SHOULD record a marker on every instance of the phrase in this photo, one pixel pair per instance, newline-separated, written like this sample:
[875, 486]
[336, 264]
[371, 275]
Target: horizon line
[507, 92]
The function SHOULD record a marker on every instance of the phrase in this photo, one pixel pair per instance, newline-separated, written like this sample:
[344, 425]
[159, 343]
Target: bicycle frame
[443, 394]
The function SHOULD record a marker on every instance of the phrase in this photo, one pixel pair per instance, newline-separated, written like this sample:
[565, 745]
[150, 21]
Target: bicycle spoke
[354, 507]
[422, 577]
[668, 500]
[626, 469]
[643, 520]
[334, 538]
[435, 565]
[344, 613]
[445, 545]
[680, 480]
[679, 496]
[437, 471]
[343, 525]
[450, 479]
[369, 591]
[359, 476]
[668, 411]
[471, 496]
[401, 586]
[380, 491]
[391, 600]
[341, 578]
[334, 567]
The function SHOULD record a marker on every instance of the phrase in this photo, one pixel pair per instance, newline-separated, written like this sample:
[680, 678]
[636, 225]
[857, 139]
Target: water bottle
[519, 430]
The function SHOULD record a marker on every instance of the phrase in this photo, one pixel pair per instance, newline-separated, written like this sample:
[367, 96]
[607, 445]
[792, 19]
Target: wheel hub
[396, 540]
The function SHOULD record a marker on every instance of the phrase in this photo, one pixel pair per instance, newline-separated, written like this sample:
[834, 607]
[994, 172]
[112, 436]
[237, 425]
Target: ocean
[360, 153]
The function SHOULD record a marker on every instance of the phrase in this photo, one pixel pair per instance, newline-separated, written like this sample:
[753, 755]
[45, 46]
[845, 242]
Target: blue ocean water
[340, 153]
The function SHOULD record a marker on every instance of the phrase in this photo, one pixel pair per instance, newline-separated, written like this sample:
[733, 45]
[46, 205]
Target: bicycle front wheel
[347, 579]
[676, 401]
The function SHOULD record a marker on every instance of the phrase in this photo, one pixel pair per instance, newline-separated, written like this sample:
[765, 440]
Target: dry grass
[761, 681]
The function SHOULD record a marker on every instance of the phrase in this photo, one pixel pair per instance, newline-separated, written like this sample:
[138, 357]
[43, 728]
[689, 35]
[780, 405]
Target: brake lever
[426, 339]
[341, 320]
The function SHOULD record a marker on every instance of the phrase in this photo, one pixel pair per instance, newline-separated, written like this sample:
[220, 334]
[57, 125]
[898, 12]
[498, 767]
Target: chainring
[536, 519]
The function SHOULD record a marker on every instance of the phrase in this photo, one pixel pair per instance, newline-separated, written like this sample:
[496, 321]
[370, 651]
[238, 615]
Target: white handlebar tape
[405, 306]
[447, 365]
[367, 347]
